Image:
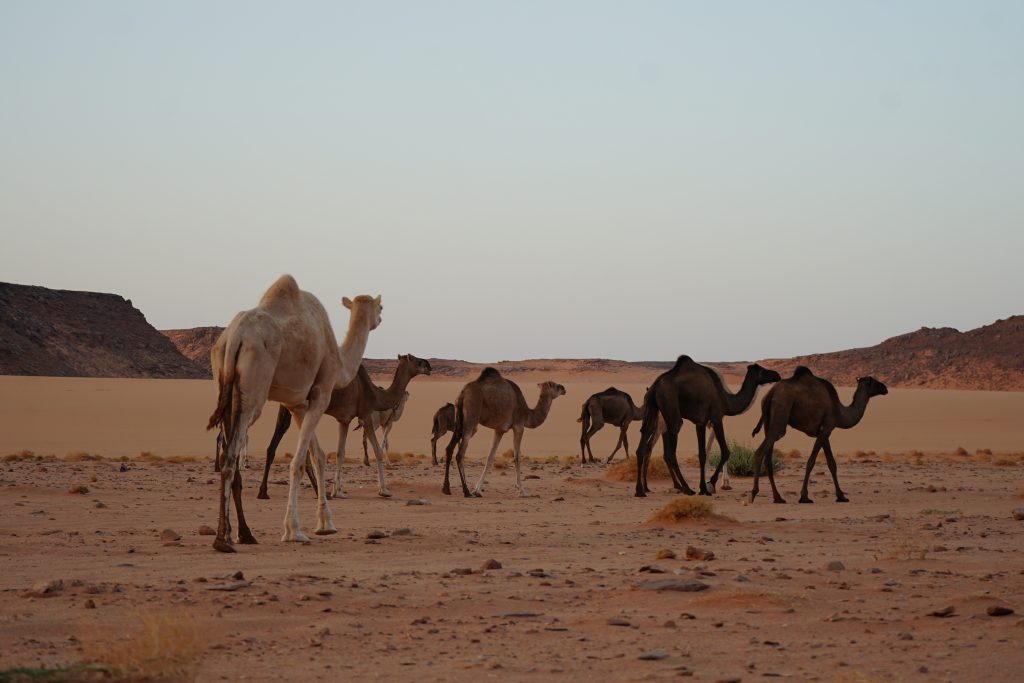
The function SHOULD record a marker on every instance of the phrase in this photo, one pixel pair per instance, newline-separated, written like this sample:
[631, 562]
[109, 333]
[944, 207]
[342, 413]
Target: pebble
[694, 553]
[665, 554]
[206, 531]
[653, 656]
[999, 611]
[376, 534]
[46, 589]
[944, 612]
[618, 621]
[418, 501]
[1018, 514]
[89, 604]
[490, 564]
[170, 537]
[835, 566]
[652, 569]
[684, 585]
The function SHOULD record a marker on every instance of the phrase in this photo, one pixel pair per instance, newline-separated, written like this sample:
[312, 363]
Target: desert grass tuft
[82, 456]
[625, 470]
[164, 646]
[683, 508]
[741, 459]
[79, 489]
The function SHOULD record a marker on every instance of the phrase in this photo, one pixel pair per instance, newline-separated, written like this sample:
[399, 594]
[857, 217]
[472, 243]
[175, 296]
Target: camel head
[872, 386]
[415, 366]
[365, 307]
[552, 389]
[763, 375]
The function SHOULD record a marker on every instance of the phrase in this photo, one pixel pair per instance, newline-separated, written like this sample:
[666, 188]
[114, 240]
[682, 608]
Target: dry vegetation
[682, 508]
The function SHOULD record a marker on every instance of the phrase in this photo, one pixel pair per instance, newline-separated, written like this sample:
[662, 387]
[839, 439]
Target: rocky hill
[82, 334]
[989, 357]
[195, 343]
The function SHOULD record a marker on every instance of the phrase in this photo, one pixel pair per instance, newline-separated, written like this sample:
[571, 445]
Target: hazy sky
[732, 180]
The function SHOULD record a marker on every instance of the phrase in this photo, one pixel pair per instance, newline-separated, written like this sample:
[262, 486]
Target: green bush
[741, 460]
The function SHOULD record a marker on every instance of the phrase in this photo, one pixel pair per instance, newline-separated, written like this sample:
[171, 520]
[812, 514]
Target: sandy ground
[922, 533]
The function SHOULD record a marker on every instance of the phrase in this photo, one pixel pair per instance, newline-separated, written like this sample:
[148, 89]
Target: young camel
[360, 398]
[283, 350]
[495, 402]
[695, 392]
[811, 405]
[384, 420]
[610, 406]
[444, 422]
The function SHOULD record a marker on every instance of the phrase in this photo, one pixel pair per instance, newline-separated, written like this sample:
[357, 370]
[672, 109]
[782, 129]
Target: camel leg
[717, 430]
[307, 425]
[446, 489]
[316, 469]
[382, 485]
[366, 455]
[766, 446]
[342, 438]
[479, 490]
[386, 442]
[618, 445]
[811, 459]
[460, 460]
[433, 449]
[284, 420]
[702, 457]
[768, 456]
[830, 459]
[671, 440]
[643, 455]
[517, 448]
[228, 473]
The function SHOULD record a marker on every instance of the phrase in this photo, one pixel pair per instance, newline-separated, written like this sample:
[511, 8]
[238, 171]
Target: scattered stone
[517, 615]
[490, 564]
[205, 530]
[46, 589]
[124, 468]
[653, 656]
[462, 571]
[652, 569]
[170, 537]
[374, 535]
[403, 531]
[618, 621]
[1018, 514]
[835, 566]
[999, 611]
[238, 576]
[540, 574]
[684, 585]
[944, 612]
[418, 501]
[99, 504]
[90, 604]
[532, 476]
[665, 554]
[228, 587]
[80, 489]
[693, 553]
[559, 499]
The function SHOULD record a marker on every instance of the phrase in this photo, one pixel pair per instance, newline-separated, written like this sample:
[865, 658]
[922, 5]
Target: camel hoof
[842, 499]
[446, 491]
[524, 494]
[778, 500]
[326, 531]
[247, 538]
[384, 494]
[477, 494]
[262, 495]
[223, 546]
[297, 537]
[704, 492]
[805, 500]
[751, 497]
[639, 494]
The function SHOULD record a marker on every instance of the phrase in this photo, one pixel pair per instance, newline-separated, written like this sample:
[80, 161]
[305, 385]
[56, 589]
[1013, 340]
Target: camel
[610, 406]
[360, 398]
[283, 350]
[444, 422]
[811, 405]
[499, 404]
[695, 392]
[384, 420]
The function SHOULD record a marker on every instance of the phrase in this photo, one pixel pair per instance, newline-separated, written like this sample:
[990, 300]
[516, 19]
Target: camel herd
[284, 350]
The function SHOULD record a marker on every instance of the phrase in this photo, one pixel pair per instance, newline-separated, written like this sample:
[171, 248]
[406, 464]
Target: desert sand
[927, 530]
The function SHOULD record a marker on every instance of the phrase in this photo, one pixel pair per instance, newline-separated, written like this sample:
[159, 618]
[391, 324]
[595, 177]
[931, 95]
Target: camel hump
[802, 371]
[489, 373]
[610, 391]
[284, 289]
[681, 361]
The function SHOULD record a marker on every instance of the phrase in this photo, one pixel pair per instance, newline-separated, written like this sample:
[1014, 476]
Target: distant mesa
[85, 334]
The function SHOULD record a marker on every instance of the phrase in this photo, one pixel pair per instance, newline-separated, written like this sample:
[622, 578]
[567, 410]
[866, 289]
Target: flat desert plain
[896, 585]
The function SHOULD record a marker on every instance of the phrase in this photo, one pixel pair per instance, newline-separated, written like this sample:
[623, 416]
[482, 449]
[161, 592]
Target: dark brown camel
[610, 406]
[495, 402]
[694, 392]
[444, 422]
[811, 405]
[359, 398]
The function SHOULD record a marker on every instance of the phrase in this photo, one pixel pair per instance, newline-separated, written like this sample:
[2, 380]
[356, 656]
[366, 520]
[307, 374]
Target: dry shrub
[19, 456]
[82, 456]
[860, 454]
[625, 470]
[164, 646]
[393, 458]
[500, 464]
[960, 450]
[147, 456]
[179, 459]
[983, 451]
[793, 454]
[682, 508]
[1004, 461]
[509, 454]
[79, 489]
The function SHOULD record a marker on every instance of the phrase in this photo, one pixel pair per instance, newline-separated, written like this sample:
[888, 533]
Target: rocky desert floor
[897, 585]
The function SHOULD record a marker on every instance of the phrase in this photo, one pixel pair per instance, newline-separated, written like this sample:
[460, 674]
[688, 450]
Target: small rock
[402, 531]
[532, 476]
[46, 589]
[170, 537]
[835, 566]
[944, 612]
[418, 501]
[206, 531]
[1018, 514]
[665, 554]
[999, 611]
[99, 504]
[684, 585]
[490, 564]
[89, 604]
[124, 468]
[238, 576]
[462, 571]
[693, 553]
[652, 569]
[374, 535]
[653, 656]
[618, 621]
[559, 499]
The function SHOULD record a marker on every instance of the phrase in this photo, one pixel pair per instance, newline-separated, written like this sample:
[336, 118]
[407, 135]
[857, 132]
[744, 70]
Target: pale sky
[634, 180]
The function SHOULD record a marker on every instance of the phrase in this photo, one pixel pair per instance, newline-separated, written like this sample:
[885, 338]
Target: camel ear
[346, 302]
[377, 300]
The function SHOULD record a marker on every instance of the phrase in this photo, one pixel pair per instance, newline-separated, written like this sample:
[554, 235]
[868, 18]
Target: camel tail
[650, 421]
[586, 411]
[227, 398]
[459, 426]
[435, 427]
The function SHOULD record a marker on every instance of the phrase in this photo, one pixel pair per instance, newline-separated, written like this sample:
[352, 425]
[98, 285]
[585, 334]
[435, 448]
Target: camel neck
[741, 400]
[392, 396]
[535, 418]
[352, 348]
[850, 415]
